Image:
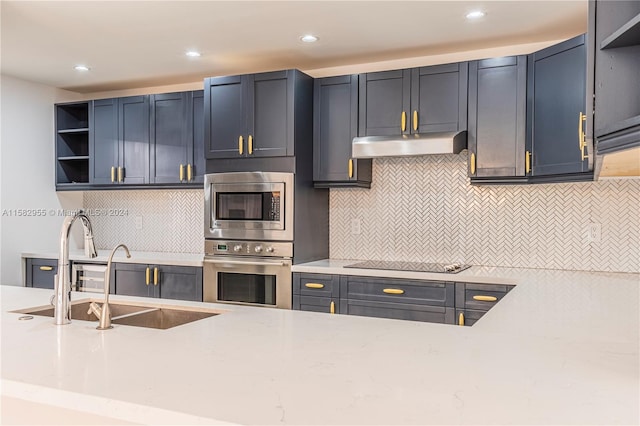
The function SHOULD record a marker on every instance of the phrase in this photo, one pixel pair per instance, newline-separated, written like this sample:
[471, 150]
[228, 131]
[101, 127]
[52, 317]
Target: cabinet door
[556, 98]
[224, 116]
[335, 125]
[132, 279]
[497, 116]
[269, 114]
[439, 98]
[168, 137]
[195, 149]
[384, 97]
[425, 313]
[40, 273]
[103, 142]
[179, 282]
[133, 132]
[316, 304]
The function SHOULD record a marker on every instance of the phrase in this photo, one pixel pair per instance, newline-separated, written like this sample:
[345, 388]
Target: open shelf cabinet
[72, 143]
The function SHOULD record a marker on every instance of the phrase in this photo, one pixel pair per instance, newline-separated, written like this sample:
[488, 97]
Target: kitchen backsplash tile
[424, 209]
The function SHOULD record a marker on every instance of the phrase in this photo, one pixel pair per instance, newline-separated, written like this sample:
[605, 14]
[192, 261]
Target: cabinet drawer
[469, 316]
[479, 296]
[425, 313]
[433, 293]
[315, 304]
[40, 272]
[316, 285]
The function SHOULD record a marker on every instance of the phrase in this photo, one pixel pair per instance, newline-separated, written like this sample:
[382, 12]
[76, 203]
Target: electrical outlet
[355, 226]
[594, 232]
[138, 223]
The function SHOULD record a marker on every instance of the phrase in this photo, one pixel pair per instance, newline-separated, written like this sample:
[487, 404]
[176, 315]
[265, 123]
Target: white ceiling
[131, 44]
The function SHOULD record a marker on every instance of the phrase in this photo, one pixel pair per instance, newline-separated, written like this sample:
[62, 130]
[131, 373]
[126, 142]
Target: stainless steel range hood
[409, 145]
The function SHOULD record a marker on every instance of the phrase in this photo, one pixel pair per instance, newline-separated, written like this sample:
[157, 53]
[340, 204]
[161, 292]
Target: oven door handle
[256, 263]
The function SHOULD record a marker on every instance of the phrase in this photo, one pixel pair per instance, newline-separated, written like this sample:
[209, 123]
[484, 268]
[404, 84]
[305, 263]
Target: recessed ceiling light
[192, 54]
[81, 68]
[475, 14]
[309, 38]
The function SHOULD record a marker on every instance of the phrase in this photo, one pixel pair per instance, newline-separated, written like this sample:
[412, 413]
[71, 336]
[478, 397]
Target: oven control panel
[247, 248]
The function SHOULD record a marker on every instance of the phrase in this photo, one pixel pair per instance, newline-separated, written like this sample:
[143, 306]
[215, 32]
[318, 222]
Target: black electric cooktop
[445, 268]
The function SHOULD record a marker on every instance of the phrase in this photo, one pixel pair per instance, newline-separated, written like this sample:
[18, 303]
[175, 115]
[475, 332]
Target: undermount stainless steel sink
[160, 317]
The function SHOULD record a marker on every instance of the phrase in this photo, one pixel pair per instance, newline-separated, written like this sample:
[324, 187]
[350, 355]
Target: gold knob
[393, 291]
[147, 276]
[181, 172]
[485, 298]
[415, 120]
[113, 174]
[240, 144]
[527, 162]
[155, 276]
[314, 285]
[250, 142]
[332, 307]
[461, 319]
[46, 268]
[189, 172]
[350, 168]
[403, 121]
[472, 163]
[120, 174]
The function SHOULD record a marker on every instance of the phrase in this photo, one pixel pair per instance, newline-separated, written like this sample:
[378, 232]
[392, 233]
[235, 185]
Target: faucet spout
[104, 313]
[62, 293]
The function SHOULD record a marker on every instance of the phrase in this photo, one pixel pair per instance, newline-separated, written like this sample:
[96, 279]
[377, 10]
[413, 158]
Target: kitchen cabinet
[335, 124]
[40, 273]
[119, 141]
[72, 143]
[474, 300]
[410, 101]
[176, 138]
[497, 118]
[168, 282]
[254, 115]
[556, 105]
[316, 292]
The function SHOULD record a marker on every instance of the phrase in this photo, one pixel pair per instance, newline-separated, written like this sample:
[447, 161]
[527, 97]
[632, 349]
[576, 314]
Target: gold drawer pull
[403, 121]
[527, 162]
[155, 276]
[46, 268]
[314, 285]
[189, 172]
[250, 144]
[113, 174]
[472, 163]
[181, 172]
[240, 143]
[393, 291]
[120, 174]
[350, 168]
[332, 308]
[147, 276]
[461, 319]
[415, 120]
[485, 298]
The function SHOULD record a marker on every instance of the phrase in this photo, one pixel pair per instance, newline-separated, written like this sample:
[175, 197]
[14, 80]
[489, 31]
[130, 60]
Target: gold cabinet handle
[155, 276]
[120, 174]
[314, 285]
[472, 163]
[582, 137]
[332, 307]
[485, 298]
[527, 162]
[415, 120]
[250, 143]
[113, 174]
[393, 291]
[350, 168]
[240, 143]
[461, 319]
[147, 276]
[189, 172]
[403, 121]
[181, 172]
[46, 268]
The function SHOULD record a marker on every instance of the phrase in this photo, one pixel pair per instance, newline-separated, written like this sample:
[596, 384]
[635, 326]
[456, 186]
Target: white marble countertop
[560, 348]
[155, 258]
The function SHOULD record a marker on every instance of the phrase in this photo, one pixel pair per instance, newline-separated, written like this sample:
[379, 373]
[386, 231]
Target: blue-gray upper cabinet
[252, 115]
[119, 141]
[419, 100]
[176, 140]
[497, 117]
[556, 101]
[335, 124]
[72, 144]
[616, 26]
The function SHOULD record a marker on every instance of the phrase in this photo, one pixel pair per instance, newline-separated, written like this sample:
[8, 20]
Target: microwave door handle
[241, 263]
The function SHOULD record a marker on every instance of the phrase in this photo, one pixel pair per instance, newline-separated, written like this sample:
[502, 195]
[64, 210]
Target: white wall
[27, 173]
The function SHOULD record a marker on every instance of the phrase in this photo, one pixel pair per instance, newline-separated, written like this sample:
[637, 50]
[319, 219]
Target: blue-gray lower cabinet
[316, 292]
[474, 300]
[40, 272]
[167, 282]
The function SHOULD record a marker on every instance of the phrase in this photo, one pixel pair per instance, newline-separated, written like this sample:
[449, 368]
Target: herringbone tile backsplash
[424, 209]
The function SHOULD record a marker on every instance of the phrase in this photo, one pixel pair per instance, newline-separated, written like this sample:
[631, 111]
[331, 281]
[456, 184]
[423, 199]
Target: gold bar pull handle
[472, 163]
[113, 174]
[393, 291]
[147, 276]
[581, 118]
[350, 168]
[155, 276]
[403, 121]
[332, 307]
[314, 285]
[250, 143]
[485, 298]
[46, 268]
[240, 143]
[120, 174]
[461, 318]
[527, 162]
[415, 120]
[181, 172]
[189, 172]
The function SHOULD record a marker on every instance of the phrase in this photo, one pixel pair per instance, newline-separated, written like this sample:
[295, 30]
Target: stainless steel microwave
[249, 206]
